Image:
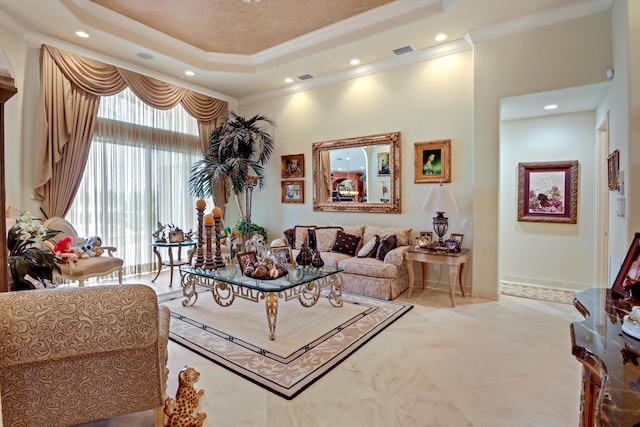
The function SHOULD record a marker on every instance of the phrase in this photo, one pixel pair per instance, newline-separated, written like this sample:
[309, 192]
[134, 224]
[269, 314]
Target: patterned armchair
[73, 355]
[84, 268]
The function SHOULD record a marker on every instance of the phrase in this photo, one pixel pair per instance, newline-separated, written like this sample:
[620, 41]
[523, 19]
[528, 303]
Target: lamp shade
[440, 199]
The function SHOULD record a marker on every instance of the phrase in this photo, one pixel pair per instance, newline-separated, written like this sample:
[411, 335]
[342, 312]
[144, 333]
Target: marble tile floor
[484, 363]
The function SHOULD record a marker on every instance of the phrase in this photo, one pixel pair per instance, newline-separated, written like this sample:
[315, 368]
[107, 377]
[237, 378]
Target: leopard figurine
[179, 412]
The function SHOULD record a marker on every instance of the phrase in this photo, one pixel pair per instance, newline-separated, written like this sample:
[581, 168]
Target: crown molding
[538, 20]
[415, 57]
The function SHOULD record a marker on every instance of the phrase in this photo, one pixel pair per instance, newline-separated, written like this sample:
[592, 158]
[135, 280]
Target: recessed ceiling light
[441, 37]
[82, 34]
[550, 107]
[190, 73]
[354, 61]
[288, 80]
[144, 55]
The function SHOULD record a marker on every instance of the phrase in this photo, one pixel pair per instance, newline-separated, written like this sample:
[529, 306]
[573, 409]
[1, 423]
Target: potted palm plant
[237, 151]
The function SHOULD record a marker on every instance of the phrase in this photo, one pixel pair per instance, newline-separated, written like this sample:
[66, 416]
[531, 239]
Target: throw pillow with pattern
[387, 244]
[346, 243]
[369, 248]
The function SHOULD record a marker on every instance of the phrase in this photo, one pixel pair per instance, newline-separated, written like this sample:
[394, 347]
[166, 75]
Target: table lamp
[440, 200]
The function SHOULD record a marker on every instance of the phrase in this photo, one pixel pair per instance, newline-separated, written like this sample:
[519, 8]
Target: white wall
[570, 54]
[550, 254]
[425, 101]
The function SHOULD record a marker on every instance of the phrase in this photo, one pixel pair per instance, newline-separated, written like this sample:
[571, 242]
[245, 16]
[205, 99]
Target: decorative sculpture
[200, 205]
[218, 262]
[179, 412]
[208, 234]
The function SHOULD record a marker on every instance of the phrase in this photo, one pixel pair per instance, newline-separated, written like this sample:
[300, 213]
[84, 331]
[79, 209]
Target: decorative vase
[305, 256]
[316, 261]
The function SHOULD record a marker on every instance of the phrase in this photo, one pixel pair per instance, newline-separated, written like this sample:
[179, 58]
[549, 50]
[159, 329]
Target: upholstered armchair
[83, 268]
[73, 355]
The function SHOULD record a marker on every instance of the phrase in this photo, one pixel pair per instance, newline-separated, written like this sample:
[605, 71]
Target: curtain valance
[71, 86]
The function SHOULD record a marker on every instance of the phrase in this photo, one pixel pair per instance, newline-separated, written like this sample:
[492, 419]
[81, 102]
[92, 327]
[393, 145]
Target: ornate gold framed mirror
[359, 174]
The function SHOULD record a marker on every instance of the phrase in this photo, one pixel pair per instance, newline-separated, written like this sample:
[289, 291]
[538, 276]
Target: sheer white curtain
[136, 176]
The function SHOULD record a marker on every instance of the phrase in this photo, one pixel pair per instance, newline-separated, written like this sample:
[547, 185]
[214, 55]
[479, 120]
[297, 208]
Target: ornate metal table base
[225, 293]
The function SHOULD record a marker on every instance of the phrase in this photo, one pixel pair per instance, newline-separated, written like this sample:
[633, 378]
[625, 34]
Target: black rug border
[341, 355]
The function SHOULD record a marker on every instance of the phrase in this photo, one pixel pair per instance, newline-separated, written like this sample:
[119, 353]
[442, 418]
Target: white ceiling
[324, 53]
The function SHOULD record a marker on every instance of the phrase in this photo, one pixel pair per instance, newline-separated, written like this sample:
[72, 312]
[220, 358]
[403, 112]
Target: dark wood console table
[610, 359]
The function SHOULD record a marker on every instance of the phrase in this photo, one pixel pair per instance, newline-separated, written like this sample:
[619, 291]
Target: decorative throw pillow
[388, 243]
[370, 247]
[325, 237]
[346, 243]
[311, 241]
[301, 235]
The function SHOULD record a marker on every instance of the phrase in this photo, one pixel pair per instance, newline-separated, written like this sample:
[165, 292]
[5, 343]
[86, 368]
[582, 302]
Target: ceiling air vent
[305, 77]
[403, 50]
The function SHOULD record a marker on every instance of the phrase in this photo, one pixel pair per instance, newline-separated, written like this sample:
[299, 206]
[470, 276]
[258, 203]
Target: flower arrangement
[31, 266]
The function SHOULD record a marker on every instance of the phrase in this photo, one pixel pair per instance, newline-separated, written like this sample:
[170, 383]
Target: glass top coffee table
[228, 283]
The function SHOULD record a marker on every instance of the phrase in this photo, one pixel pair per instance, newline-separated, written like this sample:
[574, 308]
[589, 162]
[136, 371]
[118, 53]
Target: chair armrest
[110, 249]
[396, 256]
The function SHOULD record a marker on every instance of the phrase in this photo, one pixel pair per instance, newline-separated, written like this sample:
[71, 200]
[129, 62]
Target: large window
[136, 177]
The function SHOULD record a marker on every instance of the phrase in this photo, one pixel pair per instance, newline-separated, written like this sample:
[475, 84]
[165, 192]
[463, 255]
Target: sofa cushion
[301, 235]
[370, 267]
[387, 243]
[402, 234]
[325, 237]
[370, 247]
[346, 243]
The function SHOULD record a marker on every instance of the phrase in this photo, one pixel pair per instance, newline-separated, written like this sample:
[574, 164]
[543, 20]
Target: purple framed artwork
[548, 192]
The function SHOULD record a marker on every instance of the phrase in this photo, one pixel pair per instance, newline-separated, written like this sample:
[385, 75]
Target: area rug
[309, 341]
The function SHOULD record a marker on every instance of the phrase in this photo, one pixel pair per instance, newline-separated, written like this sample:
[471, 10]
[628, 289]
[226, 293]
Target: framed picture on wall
[292, 166]
[548, 192]
[293, 191]
[432, 161]
[613, 167]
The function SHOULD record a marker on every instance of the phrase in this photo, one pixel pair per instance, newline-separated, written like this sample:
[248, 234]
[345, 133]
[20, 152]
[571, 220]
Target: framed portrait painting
[432, 161]
[383, 164]
[613, 167]
[292, 166]
[293, 191]
[548, 192]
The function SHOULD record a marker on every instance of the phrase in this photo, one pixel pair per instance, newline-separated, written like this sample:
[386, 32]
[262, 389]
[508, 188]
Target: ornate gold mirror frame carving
[377, 188]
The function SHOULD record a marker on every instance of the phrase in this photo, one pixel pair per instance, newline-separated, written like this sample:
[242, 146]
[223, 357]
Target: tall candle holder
[218, 262]
[200, 205]
[208, 227]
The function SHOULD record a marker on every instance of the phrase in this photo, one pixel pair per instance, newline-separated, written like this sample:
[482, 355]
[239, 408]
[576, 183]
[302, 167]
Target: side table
[171, 263]
[455, 260]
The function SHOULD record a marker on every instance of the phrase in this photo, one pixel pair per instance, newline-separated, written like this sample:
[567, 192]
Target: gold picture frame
[432, 161]
[292, 191]
[277, 252]
[613, 166]
[292, 166]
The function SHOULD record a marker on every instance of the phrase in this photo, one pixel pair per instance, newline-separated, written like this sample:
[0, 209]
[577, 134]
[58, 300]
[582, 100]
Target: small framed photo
[293, 191]
[458, 239]
[548, 192]
[293, 166]
[422, 243]
[244, 258]
[613, 166]
[432, 161]
[383, 164]
[282, 253]
[629, 273]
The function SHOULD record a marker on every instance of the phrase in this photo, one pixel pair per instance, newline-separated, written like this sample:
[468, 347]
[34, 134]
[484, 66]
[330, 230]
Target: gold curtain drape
[71, 87]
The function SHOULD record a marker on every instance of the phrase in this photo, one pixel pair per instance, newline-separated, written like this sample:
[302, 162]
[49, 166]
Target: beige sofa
[73, 355]
[385, 279]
